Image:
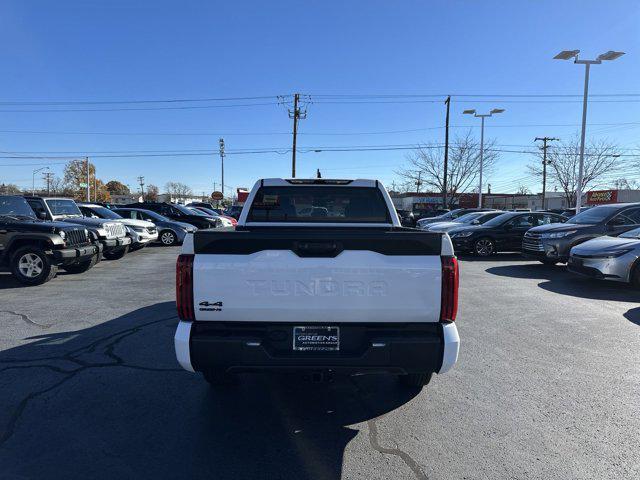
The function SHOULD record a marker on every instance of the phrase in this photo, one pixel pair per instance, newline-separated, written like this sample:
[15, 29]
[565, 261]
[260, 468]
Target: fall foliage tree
[151, 194]
[75, 181]
[117, 188]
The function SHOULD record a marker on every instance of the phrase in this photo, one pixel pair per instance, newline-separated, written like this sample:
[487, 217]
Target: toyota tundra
[319, 275]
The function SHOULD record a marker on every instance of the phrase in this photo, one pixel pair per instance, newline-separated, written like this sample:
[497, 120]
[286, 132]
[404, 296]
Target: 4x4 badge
[206, 306]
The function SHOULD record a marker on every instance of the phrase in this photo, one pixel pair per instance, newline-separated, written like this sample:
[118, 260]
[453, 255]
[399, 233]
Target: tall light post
[33, 179]
[482, 116]
[567, 55]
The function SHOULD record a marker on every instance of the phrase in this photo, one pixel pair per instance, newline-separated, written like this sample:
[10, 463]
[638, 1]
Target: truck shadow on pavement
[498, 257]
[560, 280]
[110, 401]
[633, 315]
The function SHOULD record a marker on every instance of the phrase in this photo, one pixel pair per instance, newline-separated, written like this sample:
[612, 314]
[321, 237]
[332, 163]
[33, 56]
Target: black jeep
[34, 249]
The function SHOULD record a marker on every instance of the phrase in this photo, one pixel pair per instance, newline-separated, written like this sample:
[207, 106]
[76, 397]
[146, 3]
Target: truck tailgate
[327, 276]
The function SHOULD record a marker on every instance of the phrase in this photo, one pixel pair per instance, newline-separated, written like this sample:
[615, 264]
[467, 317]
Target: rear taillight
[449, 302]
[184, 287]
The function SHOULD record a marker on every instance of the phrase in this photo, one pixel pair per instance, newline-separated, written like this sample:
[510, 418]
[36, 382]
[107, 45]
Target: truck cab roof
[318, 202]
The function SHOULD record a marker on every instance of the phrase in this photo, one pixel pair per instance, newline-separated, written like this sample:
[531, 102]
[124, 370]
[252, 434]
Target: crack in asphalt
[26, 318]
[108, 350]
[373, 437]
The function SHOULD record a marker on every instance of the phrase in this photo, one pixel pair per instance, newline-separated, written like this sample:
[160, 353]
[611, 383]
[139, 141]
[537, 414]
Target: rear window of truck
[319, 204]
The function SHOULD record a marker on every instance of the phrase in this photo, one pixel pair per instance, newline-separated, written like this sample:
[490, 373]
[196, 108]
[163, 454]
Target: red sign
[242, 195]
[468, 200]
[600, 197]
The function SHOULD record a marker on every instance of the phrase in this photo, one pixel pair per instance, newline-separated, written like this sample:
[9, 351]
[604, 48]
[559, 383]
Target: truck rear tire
[218, 377]
[82, 267]
[416, 379]
[31, 266]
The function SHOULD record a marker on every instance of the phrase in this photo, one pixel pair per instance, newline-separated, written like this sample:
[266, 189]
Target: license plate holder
[316, 338]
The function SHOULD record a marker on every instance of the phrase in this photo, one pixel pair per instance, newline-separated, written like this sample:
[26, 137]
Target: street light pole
[481, 160]
[482, 116]
[567, 55]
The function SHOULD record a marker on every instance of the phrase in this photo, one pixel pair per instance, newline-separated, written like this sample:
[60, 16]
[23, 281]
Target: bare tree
[523, 190]
[600, 160]
[426, 164]
[9, 189]
[178, 189]
[626, 184]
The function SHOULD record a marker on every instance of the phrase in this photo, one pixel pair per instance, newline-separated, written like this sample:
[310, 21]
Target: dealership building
[417, 201]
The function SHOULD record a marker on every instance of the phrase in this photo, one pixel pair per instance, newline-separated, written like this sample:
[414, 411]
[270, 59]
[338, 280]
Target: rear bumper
[71, 255]
[365, 348]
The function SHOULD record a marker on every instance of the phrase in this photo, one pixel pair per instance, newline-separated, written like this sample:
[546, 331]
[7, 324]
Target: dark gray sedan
[170, 232]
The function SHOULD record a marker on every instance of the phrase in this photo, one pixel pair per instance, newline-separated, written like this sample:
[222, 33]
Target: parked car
[234, 211]
[176, 212]
[34, 249]
[219, 219]
[332, 294]
[406, 217]
[207, 205]
[112, 235]
[429, 213]
[141, 232]
[449, 216]
[552, 243]
[609, 258]
[208, 211]
[170, 232]
[503, 233]
[474, 218]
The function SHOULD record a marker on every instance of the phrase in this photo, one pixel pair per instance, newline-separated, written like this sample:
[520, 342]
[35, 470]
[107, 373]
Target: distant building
[508, 201]
[183, 200]
[124, 199]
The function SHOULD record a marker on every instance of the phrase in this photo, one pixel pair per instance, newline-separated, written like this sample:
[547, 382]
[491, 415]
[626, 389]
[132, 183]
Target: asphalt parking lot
[547, 386]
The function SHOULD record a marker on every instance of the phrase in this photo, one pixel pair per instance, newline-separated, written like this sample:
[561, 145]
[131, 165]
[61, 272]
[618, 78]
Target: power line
[378, 132]
[76, 110]
[121, 102]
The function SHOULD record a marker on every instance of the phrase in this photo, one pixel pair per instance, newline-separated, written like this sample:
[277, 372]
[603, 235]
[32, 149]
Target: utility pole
[222, 154]
[418, 182]
[296, 114]
[47, 177]
[33, 179]
[544, 166]
[141, 182]
[86, 161]
[446, 154]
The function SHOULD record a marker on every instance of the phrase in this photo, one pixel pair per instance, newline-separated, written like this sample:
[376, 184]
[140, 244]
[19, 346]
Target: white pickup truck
[318, 275]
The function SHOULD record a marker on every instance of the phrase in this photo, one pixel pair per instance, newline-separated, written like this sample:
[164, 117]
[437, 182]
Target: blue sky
[123, 50]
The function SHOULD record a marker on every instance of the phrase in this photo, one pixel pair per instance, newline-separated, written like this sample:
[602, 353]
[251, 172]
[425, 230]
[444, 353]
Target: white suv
[140, 231]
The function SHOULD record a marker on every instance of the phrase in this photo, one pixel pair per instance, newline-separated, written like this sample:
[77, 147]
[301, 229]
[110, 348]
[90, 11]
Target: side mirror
[41, 215]
[508, 226]
[475, 222]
